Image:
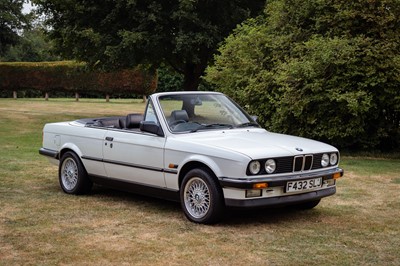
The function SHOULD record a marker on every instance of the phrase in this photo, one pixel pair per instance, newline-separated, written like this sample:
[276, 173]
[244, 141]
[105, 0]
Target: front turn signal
[337, 175]
[260, 185]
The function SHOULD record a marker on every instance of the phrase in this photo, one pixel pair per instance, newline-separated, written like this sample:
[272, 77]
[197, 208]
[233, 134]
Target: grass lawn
[40, 225]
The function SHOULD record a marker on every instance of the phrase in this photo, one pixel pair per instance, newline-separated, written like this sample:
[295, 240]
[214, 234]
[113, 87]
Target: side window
[150, 114]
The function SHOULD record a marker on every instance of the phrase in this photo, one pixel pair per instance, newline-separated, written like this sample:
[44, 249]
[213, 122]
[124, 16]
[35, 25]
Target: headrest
[133, 120]
[180, 115]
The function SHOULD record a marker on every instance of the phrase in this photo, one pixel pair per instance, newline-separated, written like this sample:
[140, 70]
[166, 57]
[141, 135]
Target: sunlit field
[41, 225]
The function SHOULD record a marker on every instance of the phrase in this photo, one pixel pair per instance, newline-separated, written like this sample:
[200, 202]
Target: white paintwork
[227, 152]
[140, 149]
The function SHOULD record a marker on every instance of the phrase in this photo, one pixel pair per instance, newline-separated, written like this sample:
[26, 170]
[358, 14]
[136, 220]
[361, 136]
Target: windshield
[195, 112]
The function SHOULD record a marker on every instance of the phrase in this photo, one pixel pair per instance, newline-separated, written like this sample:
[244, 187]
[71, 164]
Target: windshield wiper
[207, 126]
[248, 124]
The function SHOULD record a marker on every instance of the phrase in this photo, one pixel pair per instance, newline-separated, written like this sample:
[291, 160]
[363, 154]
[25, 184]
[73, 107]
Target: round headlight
[254, 167]
[270, 166]
[325, 160]
[334, 159]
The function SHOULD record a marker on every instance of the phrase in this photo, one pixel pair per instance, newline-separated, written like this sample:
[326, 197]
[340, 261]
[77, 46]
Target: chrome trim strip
[277, 181]
[156, 169]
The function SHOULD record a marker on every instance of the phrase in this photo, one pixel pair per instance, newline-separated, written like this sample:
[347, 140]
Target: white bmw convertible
[199, 148]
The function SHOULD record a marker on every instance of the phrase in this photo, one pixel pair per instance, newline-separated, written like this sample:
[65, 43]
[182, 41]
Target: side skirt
[156, 192]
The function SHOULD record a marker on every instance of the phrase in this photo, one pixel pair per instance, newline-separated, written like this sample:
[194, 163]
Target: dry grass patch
[39, 224]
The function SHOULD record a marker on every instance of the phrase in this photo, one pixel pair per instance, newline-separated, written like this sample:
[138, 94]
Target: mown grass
[40, 225]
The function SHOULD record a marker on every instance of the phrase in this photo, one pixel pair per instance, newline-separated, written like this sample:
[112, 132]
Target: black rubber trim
[132, 187]
[49, 153]
[247, 183]
[137, 166]
[280, 201]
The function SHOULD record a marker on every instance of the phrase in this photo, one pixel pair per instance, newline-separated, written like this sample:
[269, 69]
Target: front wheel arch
[201, 196]
[194, 165]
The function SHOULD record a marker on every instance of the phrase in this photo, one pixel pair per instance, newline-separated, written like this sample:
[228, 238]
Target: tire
[308, 205]
[72, 175]
[201, 197]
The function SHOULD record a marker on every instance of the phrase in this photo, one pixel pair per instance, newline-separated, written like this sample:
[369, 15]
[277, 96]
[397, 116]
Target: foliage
[120, 34]
[169, 80]
[32, 47]
[11, 21]
[73, 76]
[323, 69]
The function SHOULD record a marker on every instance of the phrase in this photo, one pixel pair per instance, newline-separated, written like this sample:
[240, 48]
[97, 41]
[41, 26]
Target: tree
[11, 21]
[123, 33]
[328, 70]
[33, 46]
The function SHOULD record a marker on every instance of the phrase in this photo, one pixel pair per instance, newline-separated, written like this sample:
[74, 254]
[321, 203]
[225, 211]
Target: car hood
[256, 143]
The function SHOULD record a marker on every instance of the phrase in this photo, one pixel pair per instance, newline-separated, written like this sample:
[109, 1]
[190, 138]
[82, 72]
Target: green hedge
[327, 70]
[75, 77]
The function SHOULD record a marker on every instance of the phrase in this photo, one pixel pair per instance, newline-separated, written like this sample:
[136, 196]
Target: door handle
[109, 138]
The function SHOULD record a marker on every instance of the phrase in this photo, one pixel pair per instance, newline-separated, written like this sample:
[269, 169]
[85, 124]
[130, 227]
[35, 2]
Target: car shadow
[268, 215]
[231, 216]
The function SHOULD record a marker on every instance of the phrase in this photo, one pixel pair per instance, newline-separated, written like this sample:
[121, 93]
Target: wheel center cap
[197, 197]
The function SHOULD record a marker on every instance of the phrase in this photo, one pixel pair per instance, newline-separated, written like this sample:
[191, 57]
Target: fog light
[330, 182]
[252, 193]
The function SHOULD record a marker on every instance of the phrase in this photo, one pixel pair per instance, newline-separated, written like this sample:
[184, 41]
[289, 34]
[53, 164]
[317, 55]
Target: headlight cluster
[329, 159]
[255, 167]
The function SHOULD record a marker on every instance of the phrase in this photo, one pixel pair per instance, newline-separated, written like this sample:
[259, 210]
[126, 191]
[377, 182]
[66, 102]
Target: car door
[134, 157]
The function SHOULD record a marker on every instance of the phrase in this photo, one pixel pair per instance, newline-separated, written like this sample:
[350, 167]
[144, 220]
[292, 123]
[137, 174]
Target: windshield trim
[158, 96]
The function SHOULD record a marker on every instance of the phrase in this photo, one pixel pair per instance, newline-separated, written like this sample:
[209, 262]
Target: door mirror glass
[151, 127]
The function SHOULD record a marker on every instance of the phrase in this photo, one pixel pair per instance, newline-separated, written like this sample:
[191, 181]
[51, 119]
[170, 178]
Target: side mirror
[151, 127]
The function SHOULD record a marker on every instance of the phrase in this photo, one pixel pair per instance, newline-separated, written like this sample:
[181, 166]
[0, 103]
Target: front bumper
[247, 183]
[274, 194]
[280, 201]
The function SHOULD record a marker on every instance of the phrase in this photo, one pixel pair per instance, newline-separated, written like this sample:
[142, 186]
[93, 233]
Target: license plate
[301, 185]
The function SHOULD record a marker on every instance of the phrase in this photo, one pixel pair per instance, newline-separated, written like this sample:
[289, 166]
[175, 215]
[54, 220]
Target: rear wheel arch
[72, 174]
[63, 151]
[70, 147]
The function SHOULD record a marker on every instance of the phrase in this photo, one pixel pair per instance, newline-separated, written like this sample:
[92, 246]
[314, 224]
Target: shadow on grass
[268, 215]
[231, 217]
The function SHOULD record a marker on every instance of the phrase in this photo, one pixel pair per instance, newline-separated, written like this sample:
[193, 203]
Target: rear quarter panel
[78, 138]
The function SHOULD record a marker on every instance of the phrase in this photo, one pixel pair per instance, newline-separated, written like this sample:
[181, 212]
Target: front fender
[204, 160]
[221, 167]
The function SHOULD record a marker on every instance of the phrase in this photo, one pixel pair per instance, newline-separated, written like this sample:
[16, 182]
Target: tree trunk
[108, 98]
[192, 74]
[46, 96]
[144, 99]
[76, 96]
[191, 82]
[15, 95]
